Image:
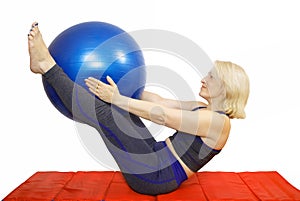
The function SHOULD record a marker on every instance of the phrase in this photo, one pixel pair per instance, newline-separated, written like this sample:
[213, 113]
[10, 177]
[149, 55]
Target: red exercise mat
[189, 190]
[269, 186]
[41, 186]
[111, 186]
[86, 186]
[224, 186]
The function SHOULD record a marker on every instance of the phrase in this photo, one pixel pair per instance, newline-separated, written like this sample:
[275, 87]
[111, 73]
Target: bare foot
[40, 59]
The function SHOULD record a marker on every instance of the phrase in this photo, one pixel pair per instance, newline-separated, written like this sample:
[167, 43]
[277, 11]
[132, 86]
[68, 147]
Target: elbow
[161, 120]
[158, 115]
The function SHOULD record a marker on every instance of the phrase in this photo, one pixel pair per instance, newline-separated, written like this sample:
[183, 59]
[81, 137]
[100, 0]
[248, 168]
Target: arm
[176, 104]
[196, 123]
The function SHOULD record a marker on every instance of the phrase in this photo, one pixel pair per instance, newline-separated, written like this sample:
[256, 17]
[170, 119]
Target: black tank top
[192, 150]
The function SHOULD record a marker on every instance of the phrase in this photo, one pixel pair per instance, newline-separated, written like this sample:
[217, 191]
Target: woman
[151, 167]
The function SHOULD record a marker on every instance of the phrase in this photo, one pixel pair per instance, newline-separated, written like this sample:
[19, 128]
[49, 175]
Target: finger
[92, 86]
[110, 81]
[96, 81]
[92, 82]
[89, 85]
[89, 82]
[93, 90]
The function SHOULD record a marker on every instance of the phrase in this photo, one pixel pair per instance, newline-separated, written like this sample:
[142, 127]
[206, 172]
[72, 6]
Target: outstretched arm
[170, 103]
[196, 123]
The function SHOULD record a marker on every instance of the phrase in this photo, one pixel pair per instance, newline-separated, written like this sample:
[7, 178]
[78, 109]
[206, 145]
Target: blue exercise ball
[98, 49]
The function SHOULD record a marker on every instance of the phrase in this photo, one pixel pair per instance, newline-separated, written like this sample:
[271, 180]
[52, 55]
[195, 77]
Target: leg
[148, 166]
[130, 143]
[40, 59]
[119, 126]
[85, 107]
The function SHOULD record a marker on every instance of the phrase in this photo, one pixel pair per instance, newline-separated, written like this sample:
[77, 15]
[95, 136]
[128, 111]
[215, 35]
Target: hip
[187, 170]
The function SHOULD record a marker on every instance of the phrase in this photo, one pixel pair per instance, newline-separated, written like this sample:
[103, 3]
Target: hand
[106, 92]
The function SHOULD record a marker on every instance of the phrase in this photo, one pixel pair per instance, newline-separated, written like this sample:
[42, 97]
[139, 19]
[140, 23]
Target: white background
[261, 36]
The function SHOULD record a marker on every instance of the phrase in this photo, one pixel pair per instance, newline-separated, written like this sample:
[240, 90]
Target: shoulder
[217, 128]
[216, 121]
[212, 119]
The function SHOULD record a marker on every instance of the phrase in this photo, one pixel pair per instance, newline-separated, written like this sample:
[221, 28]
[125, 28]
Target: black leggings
[148, 166]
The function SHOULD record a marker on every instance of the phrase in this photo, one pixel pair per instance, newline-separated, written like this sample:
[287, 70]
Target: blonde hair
[236, 84]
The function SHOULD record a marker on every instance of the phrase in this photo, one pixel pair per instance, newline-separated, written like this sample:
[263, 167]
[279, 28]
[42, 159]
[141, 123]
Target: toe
[34, 24]
[30, 37]
[34, 30]
[32, 33]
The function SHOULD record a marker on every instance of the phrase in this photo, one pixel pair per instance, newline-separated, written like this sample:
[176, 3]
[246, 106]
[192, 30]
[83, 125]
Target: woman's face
[212, 86]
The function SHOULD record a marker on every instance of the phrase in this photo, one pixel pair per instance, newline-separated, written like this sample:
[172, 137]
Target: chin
[200, 94]
[203, 95]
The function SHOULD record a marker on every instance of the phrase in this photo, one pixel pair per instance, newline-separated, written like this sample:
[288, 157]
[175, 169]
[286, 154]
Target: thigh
[126, 131]
[166, 178]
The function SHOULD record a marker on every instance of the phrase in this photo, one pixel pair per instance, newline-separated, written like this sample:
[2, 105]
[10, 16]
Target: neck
[216, 105]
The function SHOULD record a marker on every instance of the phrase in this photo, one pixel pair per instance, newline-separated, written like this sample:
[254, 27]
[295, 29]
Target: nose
[203, 81]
